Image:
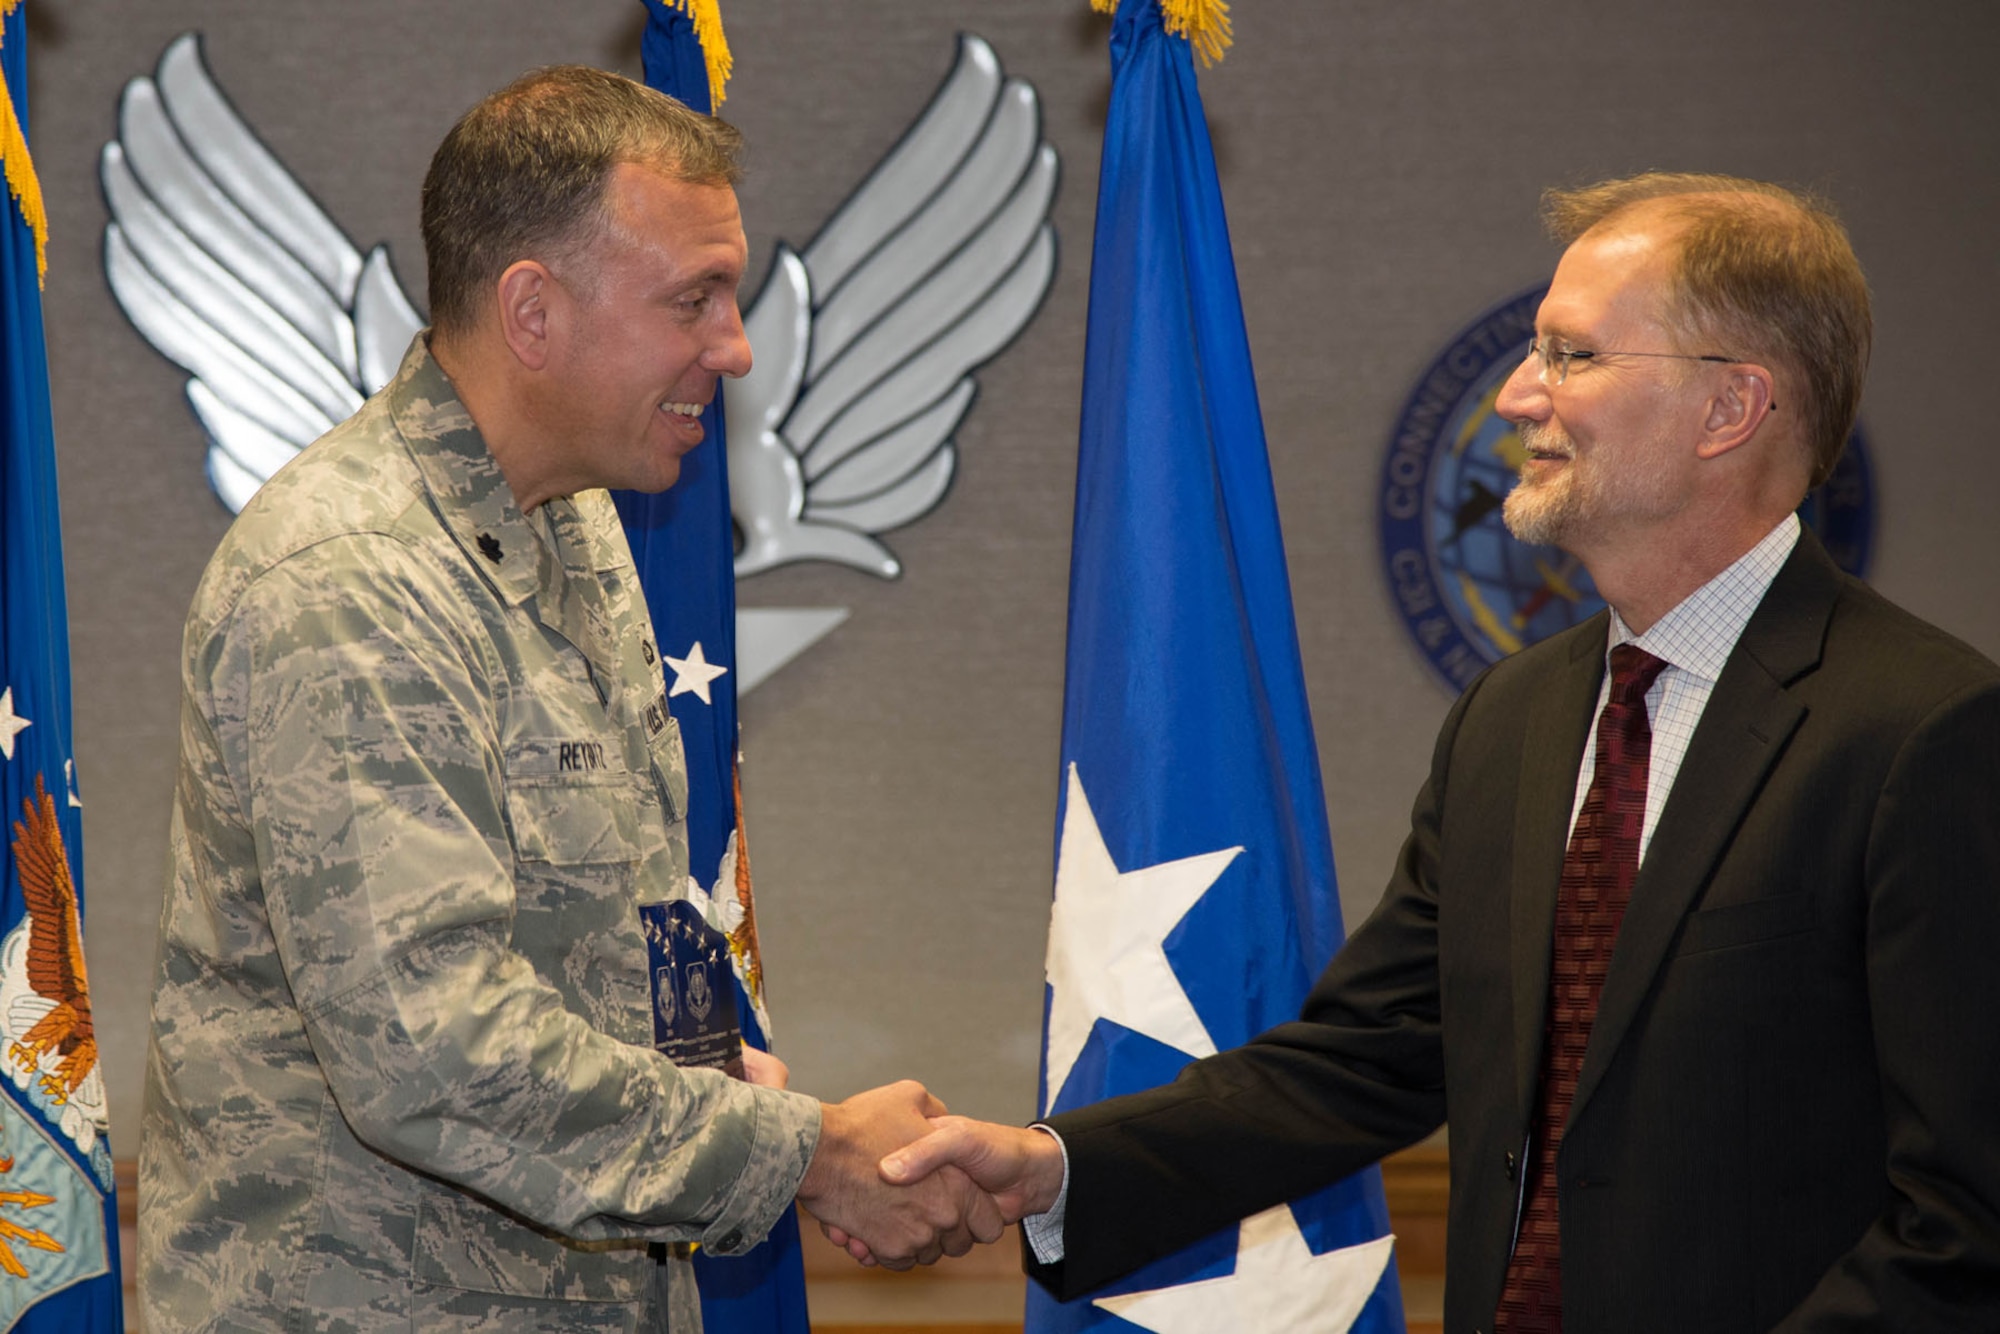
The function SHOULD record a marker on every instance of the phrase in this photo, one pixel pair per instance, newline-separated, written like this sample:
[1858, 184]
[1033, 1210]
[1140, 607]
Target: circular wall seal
[1467, 591]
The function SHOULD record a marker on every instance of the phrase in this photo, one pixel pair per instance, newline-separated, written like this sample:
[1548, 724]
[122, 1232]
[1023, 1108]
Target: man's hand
[760, 1067]
[1022, 1170]
[940, 1213]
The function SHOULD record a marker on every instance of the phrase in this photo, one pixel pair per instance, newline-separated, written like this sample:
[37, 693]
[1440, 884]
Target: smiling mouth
[683, 409]
[1535, 440]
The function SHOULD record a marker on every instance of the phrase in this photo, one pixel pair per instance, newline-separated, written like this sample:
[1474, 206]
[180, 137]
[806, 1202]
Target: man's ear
[525, 292]
[1736, 409]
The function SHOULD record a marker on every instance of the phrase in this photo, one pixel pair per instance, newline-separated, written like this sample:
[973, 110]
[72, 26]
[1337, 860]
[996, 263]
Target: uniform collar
[465, 483]
[590, 536]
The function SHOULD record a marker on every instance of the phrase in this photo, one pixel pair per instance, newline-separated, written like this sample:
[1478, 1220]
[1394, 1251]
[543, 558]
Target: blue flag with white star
[683, 545]
[1195, 899]
[58, 1216]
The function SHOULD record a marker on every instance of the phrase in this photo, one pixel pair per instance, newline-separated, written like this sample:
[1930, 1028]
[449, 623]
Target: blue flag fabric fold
[1185, 722]
[683, 544]
[60, 1250]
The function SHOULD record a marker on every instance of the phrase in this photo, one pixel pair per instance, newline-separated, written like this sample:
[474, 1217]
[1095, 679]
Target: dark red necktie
[1597, 874]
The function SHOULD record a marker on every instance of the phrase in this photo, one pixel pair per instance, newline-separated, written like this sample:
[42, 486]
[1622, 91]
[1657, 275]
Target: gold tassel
[22, 182]
[706, 15]
[1205, 23]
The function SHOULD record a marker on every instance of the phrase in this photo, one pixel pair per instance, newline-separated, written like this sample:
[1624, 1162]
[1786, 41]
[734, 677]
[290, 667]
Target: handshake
[898, 1183]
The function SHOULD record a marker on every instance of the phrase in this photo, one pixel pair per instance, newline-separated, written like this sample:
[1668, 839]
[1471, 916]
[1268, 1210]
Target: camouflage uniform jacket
[401, 1073]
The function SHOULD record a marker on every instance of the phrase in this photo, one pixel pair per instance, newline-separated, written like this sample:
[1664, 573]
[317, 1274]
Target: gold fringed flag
[683, 547]
[706, 16]
[58, 1216]
[1181, 632]
[22, 185]
[1205, 24]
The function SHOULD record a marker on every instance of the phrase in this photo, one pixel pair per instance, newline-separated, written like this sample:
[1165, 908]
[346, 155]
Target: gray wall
[1381, 162]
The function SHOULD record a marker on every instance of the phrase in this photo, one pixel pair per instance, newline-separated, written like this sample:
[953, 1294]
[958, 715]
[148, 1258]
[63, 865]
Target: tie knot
[1633, 671]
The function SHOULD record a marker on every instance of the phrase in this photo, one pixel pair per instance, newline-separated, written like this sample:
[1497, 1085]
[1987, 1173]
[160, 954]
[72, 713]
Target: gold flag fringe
[743, 940]
[22, 183]
[706, 15]
[1205, 23]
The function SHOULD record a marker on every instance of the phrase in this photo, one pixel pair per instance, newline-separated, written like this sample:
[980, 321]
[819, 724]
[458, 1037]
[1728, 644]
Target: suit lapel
[1749, 718]
[1558, 725]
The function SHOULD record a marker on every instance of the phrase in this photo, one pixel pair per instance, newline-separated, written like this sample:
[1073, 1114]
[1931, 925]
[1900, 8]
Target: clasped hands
[897, 1182]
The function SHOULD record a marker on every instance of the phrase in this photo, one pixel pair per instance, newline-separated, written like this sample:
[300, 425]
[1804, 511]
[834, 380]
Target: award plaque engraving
[694, 992]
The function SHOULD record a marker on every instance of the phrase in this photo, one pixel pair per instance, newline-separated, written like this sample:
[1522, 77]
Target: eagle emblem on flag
[48, 1042]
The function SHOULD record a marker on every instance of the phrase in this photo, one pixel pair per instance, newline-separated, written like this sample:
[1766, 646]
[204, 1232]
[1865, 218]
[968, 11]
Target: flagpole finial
[1205, 24]
[706, 15]
[22, 183]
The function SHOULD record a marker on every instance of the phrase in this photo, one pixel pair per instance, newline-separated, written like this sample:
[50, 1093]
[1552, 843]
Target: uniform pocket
[571, 802]
[586, 833]
[574, 824]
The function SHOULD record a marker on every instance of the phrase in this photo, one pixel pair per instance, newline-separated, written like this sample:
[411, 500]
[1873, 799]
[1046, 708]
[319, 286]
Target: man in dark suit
[1696, 935]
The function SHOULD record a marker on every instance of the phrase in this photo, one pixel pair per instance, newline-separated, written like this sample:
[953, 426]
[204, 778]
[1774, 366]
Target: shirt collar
[599, 530]
[1699, 634]
[464, 481]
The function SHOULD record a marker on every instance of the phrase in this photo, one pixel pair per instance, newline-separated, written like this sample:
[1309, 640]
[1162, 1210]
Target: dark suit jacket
[1789, 1111]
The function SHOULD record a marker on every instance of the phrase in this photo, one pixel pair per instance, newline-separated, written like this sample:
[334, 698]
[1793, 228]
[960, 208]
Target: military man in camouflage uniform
[401, 1072]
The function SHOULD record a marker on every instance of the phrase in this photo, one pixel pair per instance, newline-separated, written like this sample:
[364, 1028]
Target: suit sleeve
[367, 753]
[1931, 1261]
[1358, 1075]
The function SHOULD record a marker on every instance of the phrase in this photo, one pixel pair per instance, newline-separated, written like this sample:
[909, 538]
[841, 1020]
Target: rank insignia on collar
[489, 547]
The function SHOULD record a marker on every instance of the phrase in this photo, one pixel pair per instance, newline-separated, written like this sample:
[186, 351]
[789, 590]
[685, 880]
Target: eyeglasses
[1555, 360]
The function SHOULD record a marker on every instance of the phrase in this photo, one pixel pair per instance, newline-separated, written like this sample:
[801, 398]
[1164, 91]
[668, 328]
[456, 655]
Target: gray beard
[1539, 515]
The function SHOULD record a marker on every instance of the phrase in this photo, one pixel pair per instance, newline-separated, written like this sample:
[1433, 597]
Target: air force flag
[58, 1218]
[681, 542]
[1194, 898]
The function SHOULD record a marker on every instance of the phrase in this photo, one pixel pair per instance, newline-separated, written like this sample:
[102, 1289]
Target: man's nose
[730, 353]
[1524, 397]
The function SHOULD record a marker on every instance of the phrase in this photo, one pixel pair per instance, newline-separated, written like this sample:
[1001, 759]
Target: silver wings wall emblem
[864, 342]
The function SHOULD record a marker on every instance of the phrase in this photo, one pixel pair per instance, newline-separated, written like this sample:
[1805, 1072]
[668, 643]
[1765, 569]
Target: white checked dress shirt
[1694, 639]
